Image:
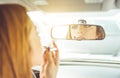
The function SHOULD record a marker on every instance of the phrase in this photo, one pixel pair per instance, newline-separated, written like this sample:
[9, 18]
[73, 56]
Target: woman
[19, 43]
[85, 32]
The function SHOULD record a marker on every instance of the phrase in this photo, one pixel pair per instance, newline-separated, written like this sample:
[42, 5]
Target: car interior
[87, 33]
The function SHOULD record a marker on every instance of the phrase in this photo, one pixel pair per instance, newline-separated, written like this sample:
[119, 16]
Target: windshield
[107, 49]
[83, 58]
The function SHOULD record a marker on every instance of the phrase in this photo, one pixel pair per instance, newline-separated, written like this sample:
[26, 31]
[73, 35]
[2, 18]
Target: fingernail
[48, 48]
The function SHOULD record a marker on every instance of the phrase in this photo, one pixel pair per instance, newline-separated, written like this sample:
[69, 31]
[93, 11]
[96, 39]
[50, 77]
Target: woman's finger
[56, 51]
[56, 57]
[44, 62]
[49, 56]
[53, 56]
[45, 57]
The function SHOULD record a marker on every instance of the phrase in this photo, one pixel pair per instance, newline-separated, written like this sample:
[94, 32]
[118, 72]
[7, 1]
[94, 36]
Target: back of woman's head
[14, 46]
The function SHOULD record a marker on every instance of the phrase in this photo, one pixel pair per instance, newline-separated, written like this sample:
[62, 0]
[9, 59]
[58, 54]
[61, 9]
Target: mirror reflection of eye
[73, 27]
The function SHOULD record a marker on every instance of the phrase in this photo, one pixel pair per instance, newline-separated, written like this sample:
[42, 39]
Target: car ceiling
[67, 5]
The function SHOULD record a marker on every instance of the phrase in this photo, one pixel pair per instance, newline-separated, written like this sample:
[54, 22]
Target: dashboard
[87, 70]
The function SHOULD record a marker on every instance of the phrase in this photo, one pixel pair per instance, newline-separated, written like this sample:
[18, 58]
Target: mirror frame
[76, 39]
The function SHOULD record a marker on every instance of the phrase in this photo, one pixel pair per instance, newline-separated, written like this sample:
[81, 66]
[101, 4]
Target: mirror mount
[82, 21]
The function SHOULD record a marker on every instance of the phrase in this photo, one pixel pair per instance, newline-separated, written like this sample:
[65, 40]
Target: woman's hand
[50, 63]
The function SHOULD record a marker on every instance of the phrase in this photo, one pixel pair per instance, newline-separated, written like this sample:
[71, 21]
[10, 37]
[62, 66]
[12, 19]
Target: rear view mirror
[78, 32]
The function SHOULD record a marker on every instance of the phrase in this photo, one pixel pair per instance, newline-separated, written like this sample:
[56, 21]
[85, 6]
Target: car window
[87, 49]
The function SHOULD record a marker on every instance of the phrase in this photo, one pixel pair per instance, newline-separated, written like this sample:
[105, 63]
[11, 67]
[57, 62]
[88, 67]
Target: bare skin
[50, 63]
